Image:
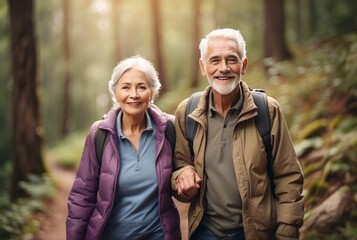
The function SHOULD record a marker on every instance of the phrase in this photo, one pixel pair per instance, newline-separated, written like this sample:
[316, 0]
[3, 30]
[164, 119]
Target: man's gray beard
[224, 90]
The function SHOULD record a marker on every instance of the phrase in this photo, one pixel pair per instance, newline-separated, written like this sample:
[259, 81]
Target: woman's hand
[188, 183]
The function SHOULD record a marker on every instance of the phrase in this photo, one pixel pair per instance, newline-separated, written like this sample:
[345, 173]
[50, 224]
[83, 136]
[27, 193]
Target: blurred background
[56, 58]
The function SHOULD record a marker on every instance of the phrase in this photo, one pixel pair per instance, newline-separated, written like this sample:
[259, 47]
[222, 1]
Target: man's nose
[224, 67]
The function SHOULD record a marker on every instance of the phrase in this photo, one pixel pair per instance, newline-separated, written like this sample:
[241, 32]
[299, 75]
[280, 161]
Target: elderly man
[225, 175]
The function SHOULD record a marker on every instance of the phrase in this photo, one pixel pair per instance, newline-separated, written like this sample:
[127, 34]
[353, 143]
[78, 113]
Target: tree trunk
[274, 34]
[155, 7]
[67, 69]
[298, 25]
[312, 17]
[217, 13]
[115, 22]
[27, 130]
[195, 42]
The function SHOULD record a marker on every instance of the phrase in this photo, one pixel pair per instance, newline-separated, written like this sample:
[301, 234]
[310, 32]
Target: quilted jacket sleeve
[83, 195]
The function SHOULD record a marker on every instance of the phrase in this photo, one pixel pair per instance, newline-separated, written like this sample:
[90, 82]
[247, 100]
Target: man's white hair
[227, 33]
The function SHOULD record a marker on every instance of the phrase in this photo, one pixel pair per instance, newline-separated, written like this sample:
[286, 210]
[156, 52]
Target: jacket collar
[109, 120]
[248, 109]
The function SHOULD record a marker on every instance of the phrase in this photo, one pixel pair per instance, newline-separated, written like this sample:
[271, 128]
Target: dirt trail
[54, 218]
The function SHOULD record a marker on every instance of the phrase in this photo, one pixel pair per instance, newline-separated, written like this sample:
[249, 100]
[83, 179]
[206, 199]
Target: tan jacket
[264, 216]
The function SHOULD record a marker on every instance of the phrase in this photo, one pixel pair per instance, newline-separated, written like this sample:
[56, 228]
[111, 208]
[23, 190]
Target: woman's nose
[134, 94]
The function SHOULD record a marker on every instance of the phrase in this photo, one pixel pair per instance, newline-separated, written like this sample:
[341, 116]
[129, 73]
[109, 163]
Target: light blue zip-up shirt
[135, 210]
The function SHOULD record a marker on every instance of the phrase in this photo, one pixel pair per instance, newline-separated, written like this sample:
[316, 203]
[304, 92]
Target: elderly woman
[126, 195]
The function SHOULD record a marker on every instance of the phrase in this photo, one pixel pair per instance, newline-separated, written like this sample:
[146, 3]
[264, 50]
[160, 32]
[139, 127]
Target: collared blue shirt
[135, 212]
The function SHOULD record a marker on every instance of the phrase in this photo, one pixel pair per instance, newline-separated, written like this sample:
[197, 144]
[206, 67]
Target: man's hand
[188, 183]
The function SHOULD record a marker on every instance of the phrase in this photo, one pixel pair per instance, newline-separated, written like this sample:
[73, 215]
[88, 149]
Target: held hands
[188, 183]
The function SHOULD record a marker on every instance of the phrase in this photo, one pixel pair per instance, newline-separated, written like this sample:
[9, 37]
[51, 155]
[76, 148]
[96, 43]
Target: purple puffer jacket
[91, 198]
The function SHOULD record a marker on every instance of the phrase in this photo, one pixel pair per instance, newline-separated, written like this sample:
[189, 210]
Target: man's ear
[245, 66]
[202, 67]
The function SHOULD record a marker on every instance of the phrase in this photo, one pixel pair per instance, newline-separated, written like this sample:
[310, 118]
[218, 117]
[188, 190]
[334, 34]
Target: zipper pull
[137, 167]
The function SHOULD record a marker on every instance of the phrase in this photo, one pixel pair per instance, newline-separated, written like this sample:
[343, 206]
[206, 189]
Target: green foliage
[345, 124]
[311, 168]
[317, 189]
[314, 129]
[39, 187]
[338, 163]
[5, 60]
[336, 170]
[350, 230]
[68, 152]
[5, 176]
[17, 221]
[318, 94]
[323, 77]
[342, 157]
[337, 167]
[307, 145]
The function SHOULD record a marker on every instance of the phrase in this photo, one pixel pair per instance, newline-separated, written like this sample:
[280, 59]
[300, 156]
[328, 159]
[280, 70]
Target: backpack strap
[262, 122]
[100, 139]
[170, 134]
[191, 125]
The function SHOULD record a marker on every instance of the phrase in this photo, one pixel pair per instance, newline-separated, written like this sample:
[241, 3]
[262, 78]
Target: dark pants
[203, 232]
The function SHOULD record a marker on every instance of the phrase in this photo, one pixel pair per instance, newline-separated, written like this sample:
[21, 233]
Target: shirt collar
[149, 126]
[236, 108]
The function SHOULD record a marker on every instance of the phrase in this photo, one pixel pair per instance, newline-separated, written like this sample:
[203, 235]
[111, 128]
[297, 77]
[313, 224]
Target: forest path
[53, 225]
[54, 219]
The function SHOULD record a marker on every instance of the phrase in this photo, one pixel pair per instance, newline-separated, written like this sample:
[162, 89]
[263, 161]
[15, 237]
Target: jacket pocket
[263, 218]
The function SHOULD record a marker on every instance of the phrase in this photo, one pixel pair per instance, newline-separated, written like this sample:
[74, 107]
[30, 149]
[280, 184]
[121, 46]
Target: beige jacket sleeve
[288, 177]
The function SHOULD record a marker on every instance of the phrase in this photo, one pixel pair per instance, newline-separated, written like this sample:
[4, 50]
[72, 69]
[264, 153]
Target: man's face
[223, 66]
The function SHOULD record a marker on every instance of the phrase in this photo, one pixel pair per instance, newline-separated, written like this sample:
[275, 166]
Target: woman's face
[133, 92]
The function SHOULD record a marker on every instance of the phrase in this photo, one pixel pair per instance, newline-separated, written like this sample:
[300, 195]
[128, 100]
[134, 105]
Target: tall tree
[298, 24]
[274, 33]
[67, 68]
[217, 13]
[115, 22]
[312, 8]
[195, 41]
[155, 7]
[27, 138]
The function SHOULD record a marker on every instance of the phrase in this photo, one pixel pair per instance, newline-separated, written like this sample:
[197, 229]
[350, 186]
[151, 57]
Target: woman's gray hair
[139, 63]
[224, 33]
